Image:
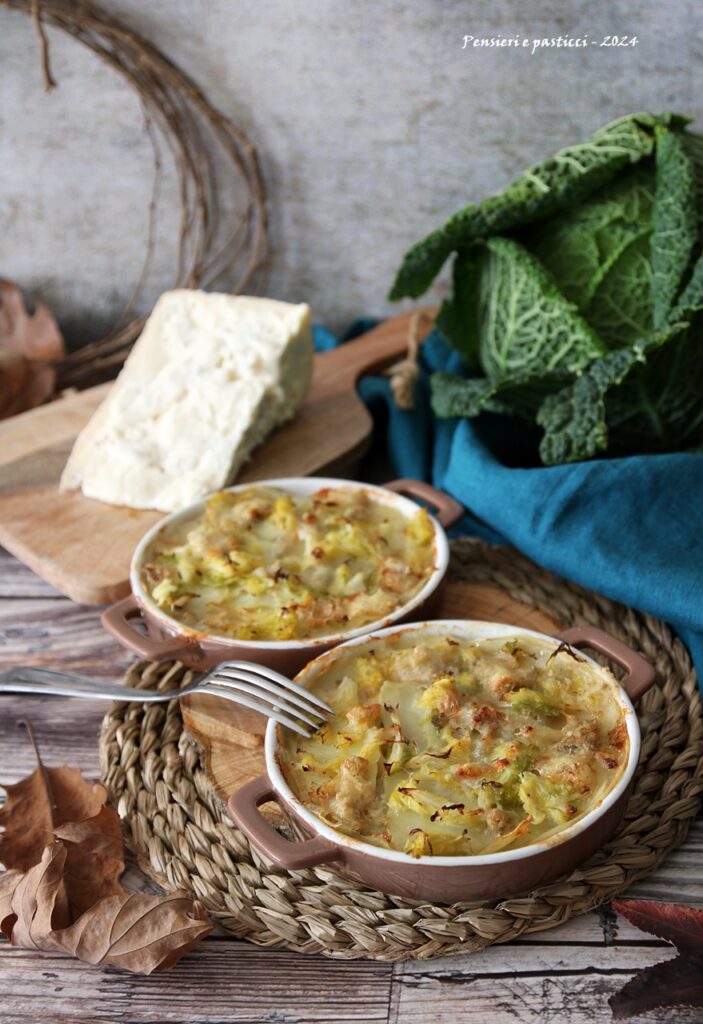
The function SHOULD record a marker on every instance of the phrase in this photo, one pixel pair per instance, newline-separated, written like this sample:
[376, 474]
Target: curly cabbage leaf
[599, 255]
[458, 318]
[582, 310]
[460, 396]
[564, 179]
[624, 397]
[574, 419]
[690, 299]
[675, 221]
[658, 406]
[620, 311]
[527, 327]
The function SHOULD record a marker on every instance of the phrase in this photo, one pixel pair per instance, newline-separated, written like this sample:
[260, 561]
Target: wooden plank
[562, 976]
[680, 877]
[66, 731]
[16, 580]
[601, 927]
[221, 980]
[55, 633]
[525, 983]
[58, 421]
[84, 547]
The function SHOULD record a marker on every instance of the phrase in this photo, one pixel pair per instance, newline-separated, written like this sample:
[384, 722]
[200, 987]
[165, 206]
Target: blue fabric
[629, 528]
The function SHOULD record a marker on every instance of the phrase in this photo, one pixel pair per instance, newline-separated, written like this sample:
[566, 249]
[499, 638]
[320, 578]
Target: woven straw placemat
[183, 839]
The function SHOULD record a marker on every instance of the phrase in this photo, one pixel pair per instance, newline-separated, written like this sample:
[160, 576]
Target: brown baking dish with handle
[446, 879]
[144, 628]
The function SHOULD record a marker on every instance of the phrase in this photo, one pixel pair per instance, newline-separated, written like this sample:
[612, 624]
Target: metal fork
[253, 686]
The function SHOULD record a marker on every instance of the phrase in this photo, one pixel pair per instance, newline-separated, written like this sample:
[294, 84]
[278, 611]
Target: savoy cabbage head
[577, 297]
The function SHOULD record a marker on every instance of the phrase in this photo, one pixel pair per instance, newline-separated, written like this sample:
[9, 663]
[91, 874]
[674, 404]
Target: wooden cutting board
[83, 547]
[230, 739]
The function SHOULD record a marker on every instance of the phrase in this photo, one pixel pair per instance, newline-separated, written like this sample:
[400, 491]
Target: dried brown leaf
[29, 345]
[94, 859]
[24, 383]
[38, 901]
[67, 842]
[8, 884]
[136, 932]
[129, 930]
[36, 336]
[39, 804]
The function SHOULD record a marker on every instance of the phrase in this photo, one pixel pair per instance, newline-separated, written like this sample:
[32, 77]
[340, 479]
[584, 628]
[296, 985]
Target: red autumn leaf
[673, 983]
[29, 345]
[682, 926]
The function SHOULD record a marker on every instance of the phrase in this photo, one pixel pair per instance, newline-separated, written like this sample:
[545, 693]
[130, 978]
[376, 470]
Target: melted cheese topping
[262, 564]
[450, 747]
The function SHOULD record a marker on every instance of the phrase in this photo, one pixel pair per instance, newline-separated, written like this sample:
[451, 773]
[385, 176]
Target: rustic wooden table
[562, 976]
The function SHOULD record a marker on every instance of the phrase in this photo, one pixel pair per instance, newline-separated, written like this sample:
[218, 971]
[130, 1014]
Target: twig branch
[49, 82]
[222, 239]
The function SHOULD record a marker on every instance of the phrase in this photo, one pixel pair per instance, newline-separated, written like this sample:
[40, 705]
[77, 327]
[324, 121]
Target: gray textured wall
[372, 122]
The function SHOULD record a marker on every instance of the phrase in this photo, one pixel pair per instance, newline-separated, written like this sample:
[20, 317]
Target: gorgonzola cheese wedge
[208, 380]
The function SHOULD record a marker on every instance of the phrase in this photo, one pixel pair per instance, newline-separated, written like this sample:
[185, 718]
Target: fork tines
[274, 695]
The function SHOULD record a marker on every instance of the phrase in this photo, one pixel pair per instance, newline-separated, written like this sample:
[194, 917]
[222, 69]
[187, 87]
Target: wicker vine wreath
[223, 223]
[183, 838]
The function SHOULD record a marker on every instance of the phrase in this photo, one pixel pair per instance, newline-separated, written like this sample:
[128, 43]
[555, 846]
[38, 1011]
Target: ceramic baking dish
[444, 879]
[140, 625]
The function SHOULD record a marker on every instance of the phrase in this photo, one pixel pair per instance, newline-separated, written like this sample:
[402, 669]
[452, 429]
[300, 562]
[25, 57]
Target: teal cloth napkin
[629, 528]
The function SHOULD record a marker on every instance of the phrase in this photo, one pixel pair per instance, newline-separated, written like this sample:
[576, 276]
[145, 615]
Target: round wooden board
[231, 738]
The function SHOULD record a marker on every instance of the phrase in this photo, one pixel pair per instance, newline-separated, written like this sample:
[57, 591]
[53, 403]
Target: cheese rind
[209, 378]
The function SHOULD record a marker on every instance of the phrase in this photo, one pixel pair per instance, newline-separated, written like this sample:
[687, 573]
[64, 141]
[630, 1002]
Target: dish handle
[445, 508]
[640, 672]
[120, 620]
[291, 854]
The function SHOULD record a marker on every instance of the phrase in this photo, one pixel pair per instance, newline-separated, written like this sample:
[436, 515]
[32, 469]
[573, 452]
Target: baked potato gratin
[450, 747]
[262, 564]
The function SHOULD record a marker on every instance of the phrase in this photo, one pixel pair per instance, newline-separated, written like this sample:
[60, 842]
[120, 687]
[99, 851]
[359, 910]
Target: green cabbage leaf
[558, 183]
[577, 295]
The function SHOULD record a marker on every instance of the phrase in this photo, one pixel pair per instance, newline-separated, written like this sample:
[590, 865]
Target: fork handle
[43, 682]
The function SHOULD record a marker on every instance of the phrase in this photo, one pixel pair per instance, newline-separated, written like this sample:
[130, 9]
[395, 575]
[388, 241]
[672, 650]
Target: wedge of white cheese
[208, 380]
